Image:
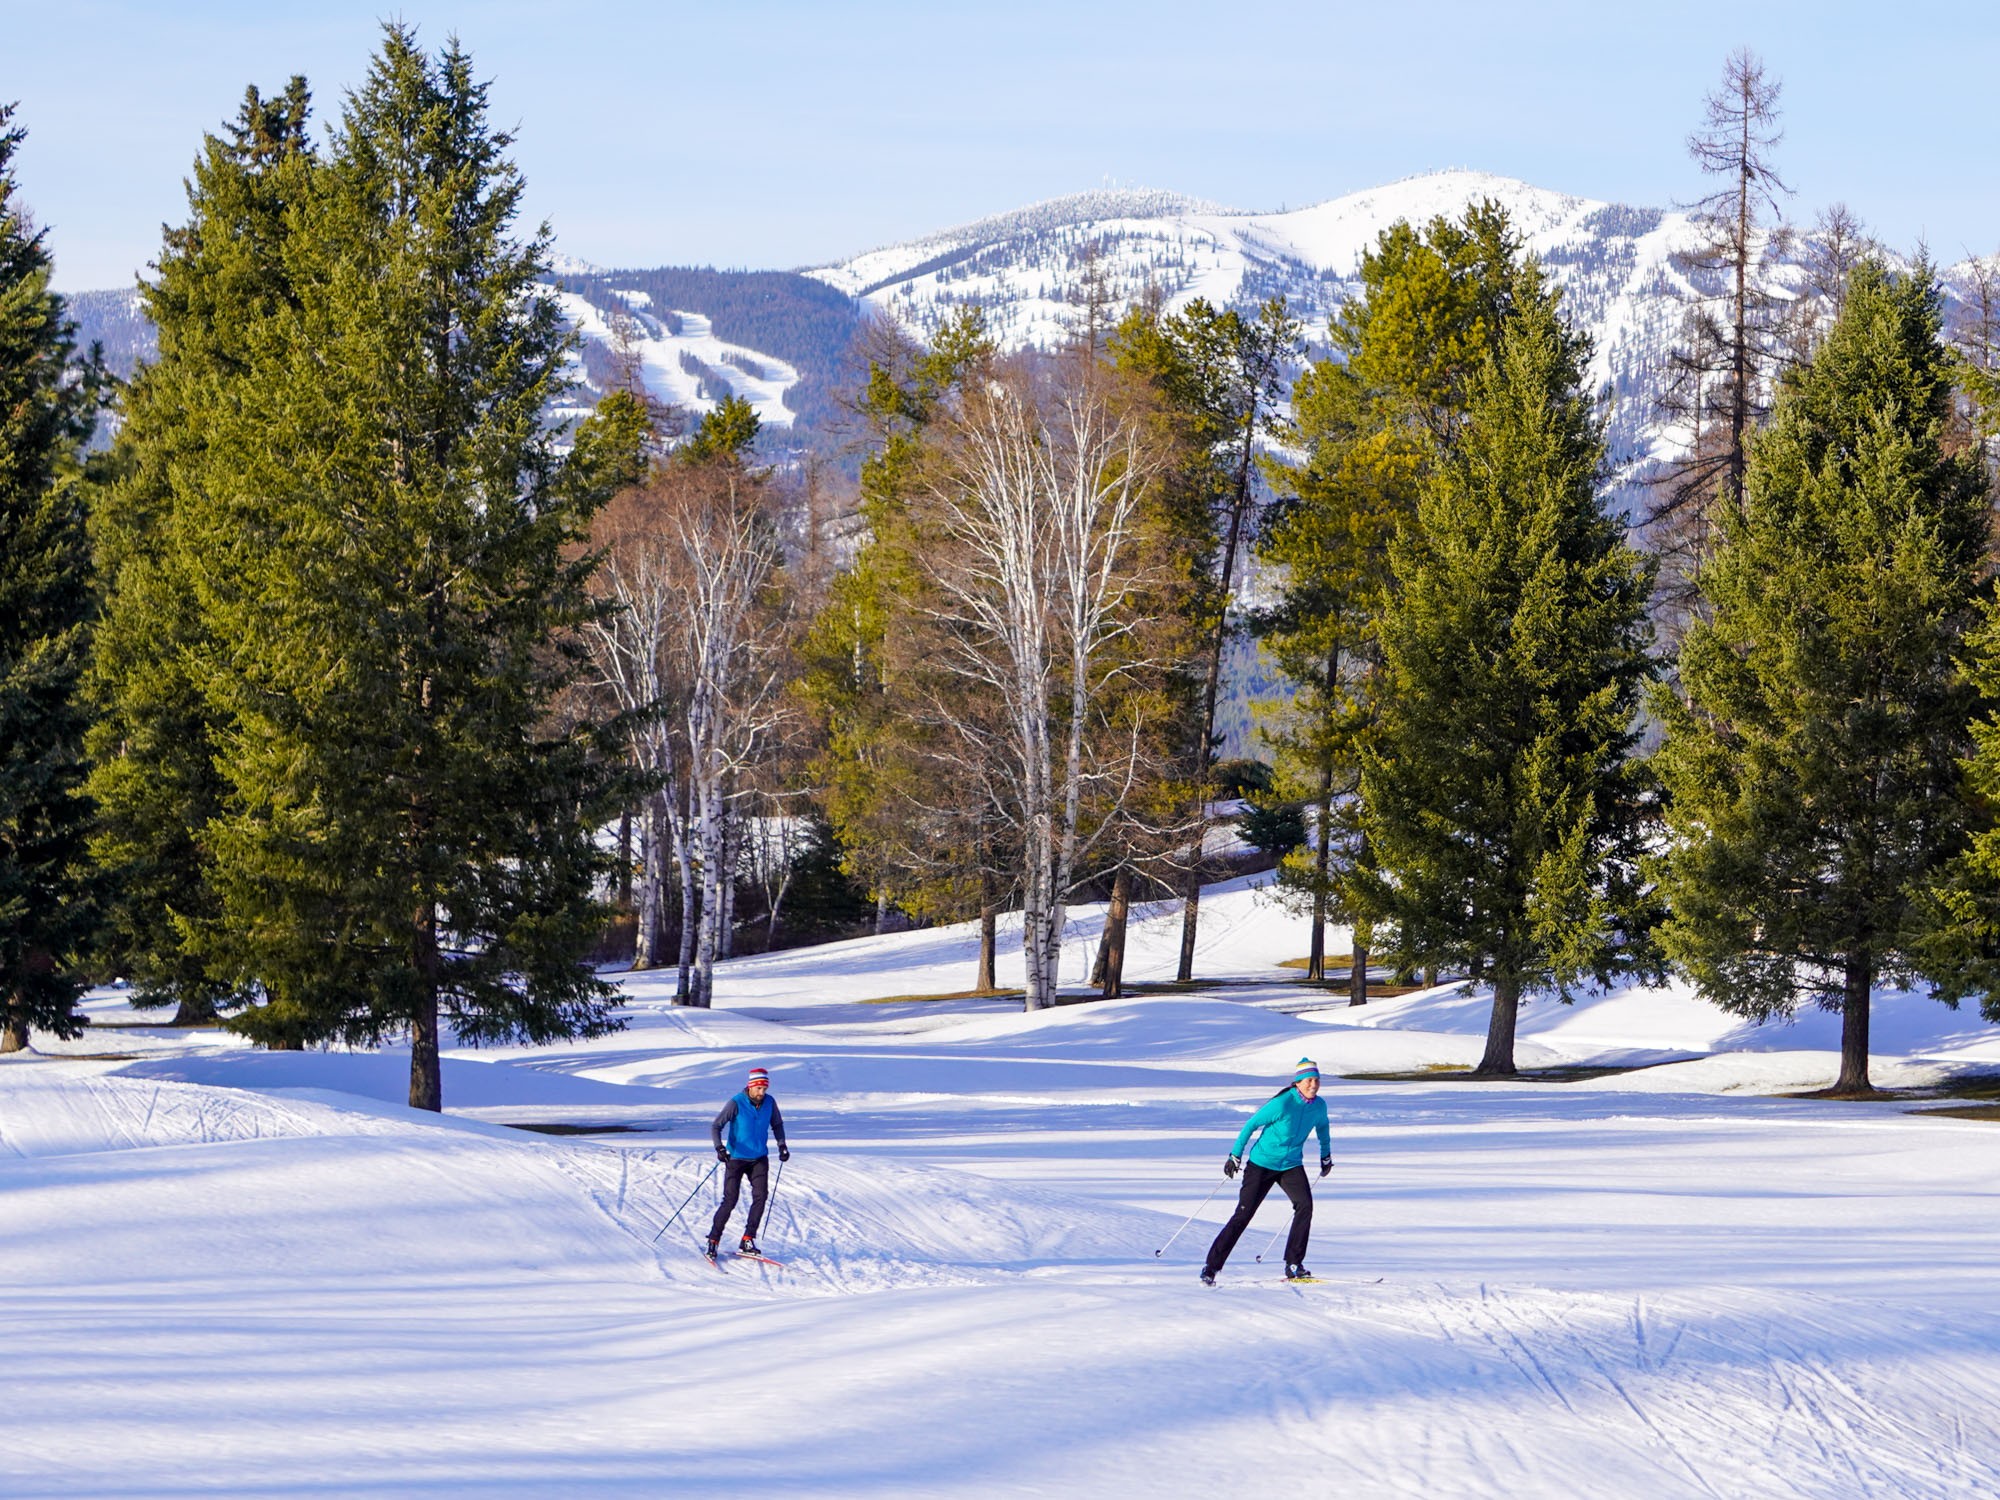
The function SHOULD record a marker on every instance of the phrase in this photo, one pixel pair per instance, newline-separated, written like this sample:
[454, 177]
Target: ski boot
[713, 1245]
[1296, 1272]
[748, 1246]
[1207, 1277]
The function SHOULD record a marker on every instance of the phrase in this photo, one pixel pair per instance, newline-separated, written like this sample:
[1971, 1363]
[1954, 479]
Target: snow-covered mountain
[1613, 261]
[784, 340]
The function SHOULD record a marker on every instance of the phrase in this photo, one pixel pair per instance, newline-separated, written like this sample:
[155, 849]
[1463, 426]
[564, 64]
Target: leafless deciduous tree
[732, 635]
[1039, 601]
[698, 654]
[1735, 331]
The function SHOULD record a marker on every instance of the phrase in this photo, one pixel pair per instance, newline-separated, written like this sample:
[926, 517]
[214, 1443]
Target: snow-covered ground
[243, 1273]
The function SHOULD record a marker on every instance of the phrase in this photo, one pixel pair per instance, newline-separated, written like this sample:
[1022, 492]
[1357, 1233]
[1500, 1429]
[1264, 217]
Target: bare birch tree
[732, 637]
[636, 669]
[1038, 600]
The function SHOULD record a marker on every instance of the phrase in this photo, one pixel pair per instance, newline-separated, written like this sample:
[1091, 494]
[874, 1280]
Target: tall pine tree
[1812, 752]
[1500, 800]
[391, 583]
[47, 403]
[1370, 423]
[153, 736]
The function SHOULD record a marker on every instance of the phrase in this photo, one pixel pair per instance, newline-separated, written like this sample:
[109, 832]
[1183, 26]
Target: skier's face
[756, 1092]
[1307, 1086]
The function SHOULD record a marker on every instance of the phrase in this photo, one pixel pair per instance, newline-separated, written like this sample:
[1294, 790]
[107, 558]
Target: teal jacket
[1286, 1122]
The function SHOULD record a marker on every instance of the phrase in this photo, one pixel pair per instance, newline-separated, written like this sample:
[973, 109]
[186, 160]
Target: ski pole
[1193, 1216]
[1283, 1225]
[686, 1201]
[771, 1207]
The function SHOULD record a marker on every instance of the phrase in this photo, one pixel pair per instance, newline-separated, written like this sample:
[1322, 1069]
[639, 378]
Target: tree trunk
[1205, 751]
[1323, 853]
[625, 860]
[712, 837]
[426, 1081]
[732, 833]
[989, 925]
[690, 904]
[195, 1011]
[648, 947]
[1357, 973]
[1097, 964]
[13, 1035]
[1190, 919]
[881, 912]
[1114, 933]
[1859, 980]
[1499, 1059]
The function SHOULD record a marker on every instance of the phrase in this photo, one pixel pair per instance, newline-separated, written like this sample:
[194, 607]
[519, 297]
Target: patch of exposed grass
[947, 995]
[1964, 1112]
[1457, 1072]
[86, 1056]
[566, 1127]
[1375, 991]
[1184, 986]
[1974, 1086]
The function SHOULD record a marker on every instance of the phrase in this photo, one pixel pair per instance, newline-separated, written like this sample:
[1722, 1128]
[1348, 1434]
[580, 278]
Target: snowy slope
[258, 1274]
[684, 364]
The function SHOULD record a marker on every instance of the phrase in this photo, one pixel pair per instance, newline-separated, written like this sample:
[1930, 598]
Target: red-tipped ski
[746, 1255]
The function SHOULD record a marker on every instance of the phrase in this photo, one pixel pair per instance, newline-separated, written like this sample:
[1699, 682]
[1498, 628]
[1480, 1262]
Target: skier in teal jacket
[1282, 1127]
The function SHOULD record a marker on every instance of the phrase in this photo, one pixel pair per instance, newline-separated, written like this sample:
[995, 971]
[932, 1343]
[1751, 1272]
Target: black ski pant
[1257, 1184]
[758, 1170]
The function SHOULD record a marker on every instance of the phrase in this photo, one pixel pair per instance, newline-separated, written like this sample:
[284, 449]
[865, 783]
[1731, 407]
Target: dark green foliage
[1275, 828]
[1813, 751]
[154, 740]
[1242, 777]
[47, 408]
[1498, 795]
[374, 557]
[1432, 308]
[728, 430]
[823, 902]
[392, 553]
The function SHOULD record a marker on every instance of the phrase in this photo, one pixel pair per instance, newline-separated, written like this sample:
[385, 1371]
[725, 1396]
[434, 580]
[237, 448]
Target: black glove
[722, 1156]
[1231, 1166]
[1325, 1165]
[784, 1153]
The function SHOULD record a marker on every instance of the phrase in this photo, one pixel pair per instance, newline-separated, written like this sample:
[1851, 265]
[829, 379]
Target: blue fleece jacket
[750, 1127]
[1285, 1122]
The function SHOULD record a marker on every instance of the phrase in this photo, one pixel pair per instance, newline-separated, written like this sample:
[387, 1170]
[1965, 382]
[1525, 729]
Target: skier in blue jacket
[750, 1119]
[1282, 1126]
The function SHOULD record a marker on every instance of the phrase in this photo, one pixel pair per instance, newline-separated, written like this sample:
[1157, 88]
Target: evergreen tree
[47, 405]
[1218, 377]
[1499, 798]
[153, 739]
[390, 587]
[727, 430]
[1369, 423]
[1812, 753]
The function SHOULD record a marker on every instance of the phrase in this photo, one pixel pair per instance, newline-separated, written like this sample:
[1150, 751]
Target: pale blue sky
[773, 133]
